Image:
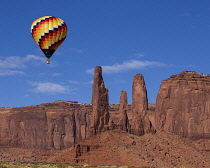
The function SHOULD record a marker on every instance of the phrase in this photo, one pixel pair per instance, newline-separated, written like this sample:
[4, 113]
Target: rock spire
[100, 103]
[123, 117]
[140, 120]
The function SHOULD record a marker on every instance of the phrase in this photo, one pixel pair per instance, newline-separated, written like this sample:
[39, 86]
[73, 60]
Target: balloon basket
[48, 61]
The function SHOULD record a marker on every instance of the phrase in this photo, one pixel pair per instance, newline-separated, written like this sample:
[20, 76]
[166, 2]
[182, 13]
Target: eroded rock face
[123, 117]
[100, 103]
[57, 125]
[183, 105]
[140, 120]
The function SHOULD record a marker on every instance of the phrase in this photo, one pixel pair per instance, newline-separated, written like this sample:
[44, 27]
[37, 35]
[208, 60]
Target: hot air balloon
[48, 32]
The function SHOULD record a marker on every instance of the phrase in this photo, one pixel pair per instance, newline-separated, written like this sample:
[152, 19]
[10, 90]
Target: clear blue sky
[156, 38]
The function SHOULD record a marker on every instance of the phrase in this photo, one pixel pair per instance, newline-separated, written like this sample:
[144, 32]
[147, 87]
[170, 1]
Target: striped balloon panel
[49, 32]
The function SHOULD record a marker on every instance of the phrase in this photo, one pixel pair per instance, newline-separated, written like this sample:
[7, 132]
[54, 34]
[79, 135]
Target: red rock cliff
[183, 105]
[57, 125]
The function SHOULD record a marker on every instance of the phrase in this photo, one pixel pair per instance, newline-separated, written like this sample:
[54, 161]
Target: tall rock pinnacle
[123, 117]
[140, 119]
[100, 103]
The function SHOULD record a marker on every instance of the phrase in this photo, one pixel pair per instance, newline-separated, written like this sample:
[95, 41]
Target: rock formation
[123, 117]
[56, 125]
[100, 103]
[140, 120]
[118, 148]
[183, 105]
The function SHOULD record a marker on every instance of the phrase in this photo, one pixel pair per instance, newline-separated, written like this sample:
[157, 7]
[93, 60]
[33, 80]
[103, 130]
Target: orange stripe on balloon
[57, 44]
[47, 40]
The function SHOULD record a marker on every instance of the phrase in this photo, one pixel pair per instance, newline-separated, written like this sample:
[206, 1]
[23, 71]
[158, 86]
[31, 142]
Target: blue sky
[156, 38]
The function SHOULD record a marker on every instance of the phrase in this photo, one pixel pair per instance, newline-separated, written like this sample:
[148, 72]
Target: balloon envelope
[48, 32]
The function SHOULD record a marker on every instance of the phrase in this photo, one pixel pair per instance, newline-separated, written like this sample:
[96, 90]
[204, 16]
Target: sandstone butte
[58, 125]
[183, 105]
[121, 130]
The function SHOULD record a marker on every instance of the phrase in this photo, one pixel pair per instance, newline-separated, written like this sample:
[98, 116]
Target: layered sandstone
[58, 125]
[140, 120]
[100, 103]
[183, 105]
